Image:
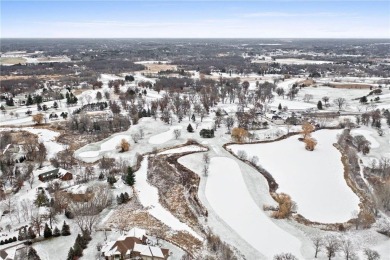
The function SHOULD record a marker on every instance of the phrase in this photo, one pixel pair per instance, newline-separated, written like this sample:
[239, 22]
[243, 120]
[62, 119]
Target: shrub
[190, 129]
[207, 133]
[286, 206]
[69, 214]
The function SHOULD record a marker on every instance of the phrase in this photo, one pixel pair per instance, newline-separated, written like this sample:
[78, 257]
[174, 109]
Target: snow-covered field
[228, 195]
[188, 148]
[293, 61]
[163, 137]
[148, 196]
[91, 152]
[314, 180]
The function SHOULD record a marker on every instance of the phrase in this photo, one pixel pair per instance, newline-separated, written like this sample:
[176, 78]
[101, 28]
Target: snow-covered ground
[228, 195]
[293, 61]
[148, 196]
[314, 180]
[188, 148]
[380, 145]
[92, 152]
[163, 137]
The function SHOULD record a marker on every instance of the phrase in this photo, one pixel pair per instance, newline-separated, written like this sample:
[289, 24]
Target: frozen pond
[314, 180]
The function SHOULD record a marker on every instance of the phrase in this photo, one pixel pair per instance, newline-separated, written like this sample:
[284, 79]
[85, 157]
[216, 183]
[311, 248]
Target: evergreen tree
[41, 199]
[56, 232]
[111, 180]
[130, 177]
[32, 254]
[31, 234]
[9, 102]
[65, 229]
[119, 200]
[123, 199]
[80, 241]
[193, 117]
[29, 100]
[71, 254]
[38, 99]
[319, 105]
[87, 236]
[280, 106]
[126, 196]
[47, 231]
[78, 251]
[55, 105]
[190, 129]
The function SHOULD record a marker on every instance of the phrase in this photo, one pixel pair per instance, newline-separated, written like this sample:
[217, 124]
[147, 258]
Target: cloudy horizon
[195, 19]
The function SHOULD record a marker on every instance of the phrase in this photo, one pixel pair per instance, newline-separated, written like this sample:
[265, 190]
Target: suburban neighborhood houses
[194, 130]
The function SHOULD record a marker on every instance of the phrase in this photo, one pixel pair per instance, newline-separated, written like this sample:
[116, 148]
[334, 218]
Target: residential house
[57, 173]
[133, 246]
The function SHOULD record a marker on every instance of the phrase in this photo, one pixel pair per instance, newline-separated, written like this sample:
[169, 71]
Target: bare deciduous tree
[340, 102]
[87, 213]
[37, 221]
[331, 245]
[348, 248]
[177, 133]
[318, 243]
[206, 158]
[285, 256]
[229, 122]
[371, 254]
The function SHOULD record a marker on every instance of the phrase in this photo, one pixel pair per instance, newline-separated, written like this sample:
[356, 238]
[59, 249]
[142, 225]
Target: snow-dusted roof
[136, 232]
[142, 249]
[156, 251]
[113, 251]
[108, 246]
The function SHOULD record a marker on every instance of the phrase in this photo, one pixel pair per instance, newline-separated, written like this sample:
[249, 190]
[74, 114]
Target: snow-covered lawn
[314, 180]
[148, 196]
[291, 104]
[111, 144]
[368, 135]
[228, 195]
[46, 136]
[91, 152]
[163, 137]
[188, 148]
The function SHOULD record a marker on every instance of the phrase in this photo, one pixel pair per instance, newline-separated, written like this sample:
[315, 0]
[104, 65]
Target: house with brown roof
[133, 246]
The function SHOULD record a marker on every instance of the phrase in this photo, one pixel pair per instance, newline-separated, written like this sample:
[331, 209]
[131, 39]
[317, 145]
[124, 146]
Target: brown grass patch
[155, 68]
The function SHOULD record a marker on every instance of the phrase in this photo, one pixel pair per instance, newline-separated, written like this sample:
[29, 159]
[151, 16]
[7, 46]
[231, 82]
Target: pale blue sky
[195, 19]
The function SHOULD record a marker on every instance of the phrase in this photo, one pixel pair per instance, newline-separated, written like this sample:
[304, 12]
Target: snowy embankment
[314, 180]
[148, 196]
[233, 203]
[164, 137]
[184, 149]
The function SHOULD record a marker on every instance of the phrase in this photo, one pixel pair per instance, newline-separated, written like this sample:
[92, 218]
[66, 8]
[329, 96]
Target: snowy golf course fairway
[314, 180]
[227, 194]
